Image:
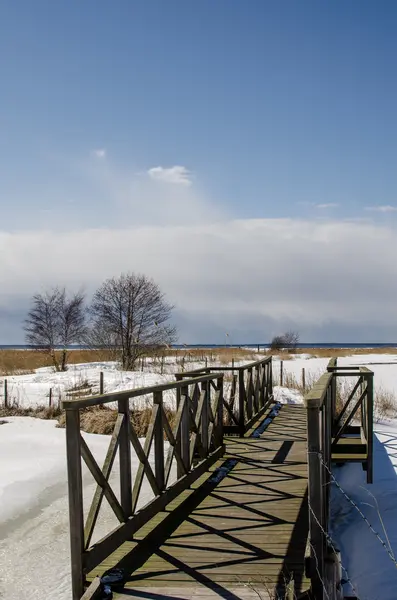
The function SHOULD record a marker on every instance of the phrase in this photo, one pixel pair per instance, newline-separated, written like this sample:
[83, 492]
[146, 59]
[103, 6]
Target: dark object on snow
[114, 579]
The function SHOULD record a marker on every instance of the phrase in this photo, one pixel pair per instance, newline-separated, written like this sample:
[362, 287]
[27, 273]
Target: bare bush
[286, 341]
[385, 404]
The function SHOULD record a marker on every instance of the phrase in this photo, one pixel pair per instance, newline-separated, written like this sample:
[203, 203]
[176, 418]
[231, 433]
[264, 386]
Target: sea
[260, 345]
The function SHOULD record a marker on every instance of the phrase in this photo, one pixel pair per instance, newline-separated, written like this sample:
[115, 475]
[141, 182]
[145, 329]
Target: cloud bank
[332, 280]
[251, 278]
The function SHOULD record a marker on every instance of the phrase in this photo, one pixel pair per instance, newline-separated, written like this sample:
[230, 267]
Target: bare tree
[291, 339]
[130, 315]
[54, 322]
[288, 340]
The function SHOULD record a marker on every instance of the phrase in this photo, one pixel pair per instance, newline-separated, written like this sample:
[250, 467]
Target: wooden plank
[246, 526]
[104, 547]
[94, 590]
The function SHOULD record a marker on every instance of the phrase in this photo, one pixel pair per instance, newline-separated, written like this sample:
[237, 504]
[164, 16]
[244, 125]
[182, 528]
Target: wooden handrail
[195, 439]
[325, 429]
[250, 396]
[77, 403]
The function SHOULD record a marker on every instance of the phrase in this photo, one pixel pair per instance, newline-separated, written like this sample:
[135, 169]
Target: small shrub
[385, 404]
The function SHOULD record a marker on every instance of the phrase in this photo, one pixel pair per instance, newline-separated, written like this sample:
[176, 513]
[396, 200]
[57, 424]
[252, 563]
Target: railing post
[159, 441]
[75, 490]
[249, 401]
[370, 426]
[206, 388]
[125, 458]
[241, 402]
[281, 373]
[315, 499]
[101, 383]
[185, 429]
[219, 416]
[257, 388]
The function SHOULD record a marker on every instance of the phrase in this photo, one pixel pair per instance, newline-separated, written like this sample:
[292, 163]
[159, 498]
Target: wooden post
[5, 393]
[303, 379]
[206, 362]
[50, 398]
[281, 372]
[270, 376]
[101, 383]
[162, 365]
[75, 488]
[125, 458]
[258, 348]
[185, 428]
[370, 425]
[159, 441]
[241, 402]
[232, 366]
[315, 499]
[206, 388]
[219, 425]
[257, 401]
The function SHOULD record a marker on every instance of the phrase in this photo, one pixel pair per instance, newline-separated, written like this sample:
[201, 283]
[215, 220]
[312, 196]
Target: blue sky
[160, 114]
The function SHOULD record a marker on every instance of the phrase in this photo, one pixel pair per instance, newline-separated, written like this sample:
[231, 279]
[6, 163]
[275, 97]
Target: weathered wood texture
[242, 535]
[195, 442]
[250, 395]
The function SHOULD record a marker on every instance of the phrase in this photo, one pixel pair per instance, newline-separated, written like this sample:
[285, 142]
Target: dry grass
[385, 404]
[334, 352]
[98, 419]
[101, 419]
[19, 362]
[385, 401]
[22, 362]
[40, 412]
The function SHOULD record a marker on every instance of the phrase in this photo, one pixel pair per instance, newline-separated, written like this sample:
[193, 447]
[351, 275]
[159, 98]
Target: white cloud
[226, 274]
[326, 205]
[384, 209]
[178, 174]
[99, 153]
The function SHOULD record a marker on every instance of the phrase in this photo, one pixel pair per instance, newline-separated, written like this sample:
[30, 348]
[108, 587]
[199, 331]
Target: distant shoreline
[262, 346]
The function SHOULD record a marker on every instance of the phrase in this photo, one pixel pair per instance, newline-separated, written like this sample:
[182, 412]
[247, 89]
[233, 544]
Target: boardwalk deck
[238, 533]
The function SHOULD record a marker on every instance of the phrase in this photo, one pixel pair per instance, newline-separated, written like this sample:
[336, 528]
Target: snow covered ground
[33, 389]
[34, 542]
[369, 566]
[34, 527]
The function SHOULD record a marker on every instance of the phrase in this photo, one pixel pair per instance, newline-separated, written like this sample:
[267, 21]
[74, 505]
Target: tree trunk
[54, 360]
[64, 359]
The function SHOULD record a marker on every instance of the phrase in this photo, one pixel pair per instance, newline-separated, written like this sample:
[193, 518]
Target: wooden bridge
[240, 500]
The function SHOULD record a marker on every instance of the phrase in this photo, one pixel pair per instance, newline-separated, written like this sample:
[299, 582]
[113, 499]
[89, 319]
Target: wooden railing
[195, 441]
[249, 396]
[332, 437]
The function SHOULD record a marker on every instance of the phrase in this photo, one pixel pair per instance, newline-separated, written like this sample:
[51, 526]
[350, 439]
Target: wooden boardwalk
[239, 532]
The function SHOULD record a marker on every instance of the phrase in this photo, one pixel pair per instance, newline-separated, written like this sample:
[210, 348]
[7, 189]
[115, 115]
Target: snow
[34, 546]
[371, 570]
[33, 389]
[34, 527]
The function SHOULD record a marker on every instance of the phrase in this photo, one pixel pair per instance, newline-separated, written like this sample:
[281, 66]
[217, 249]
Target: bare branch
[130, 315]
